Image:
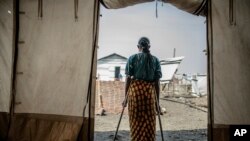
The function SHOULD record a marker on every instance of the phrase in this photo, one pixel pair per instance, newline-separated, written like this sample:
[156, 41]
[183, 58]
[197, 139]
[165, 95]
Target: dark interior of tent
[48, 57]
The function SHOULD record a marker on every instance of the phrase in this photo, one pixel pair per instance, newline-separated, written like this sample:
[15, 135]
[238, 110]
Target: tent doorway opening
[178, 39]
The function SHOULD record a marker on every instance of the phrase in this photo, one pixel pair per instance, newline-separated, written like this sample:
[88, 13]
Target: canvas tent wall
[54, 67]
[229, 55]
[6, 59]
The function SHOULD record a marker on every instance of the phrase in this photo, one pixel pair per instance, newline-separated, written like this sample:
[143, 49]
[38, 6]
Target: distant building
[111, 67]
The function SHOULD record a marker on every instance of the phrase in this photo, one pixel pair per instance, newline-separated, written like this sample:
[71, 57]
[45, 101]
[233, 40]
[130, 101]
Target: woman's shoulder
[156, 58]
[132, 57]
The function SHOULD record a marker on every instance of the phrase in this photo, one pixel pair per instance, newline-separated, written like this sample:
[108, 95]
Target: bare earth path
[180, 123]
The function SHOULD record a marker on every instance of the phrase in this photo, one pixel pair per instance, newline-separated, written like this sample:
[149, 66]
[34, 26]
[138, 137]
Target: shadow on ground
[181, 135]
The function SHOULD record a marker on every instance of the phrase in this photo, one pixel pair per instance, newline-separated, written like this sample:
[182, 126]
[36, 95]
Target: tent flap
[53, 64]
[230, 62]
[115, 4]
[191, 6]
[196, 7]
[228, 36]
[56, 40]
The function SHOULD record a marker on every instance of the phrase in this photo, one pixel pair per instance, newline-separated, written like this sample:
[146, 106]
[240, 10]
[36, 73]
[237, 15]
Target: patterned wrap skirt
[141, 108]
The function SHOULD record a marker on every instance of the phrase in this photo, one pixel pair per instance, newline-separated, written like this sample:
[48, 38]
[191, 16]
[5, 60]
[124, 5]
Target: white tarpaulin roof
[169, 67]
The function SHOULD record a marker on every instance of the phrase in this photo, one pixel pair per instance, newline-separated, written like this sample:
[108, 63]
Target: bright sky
[120, 30]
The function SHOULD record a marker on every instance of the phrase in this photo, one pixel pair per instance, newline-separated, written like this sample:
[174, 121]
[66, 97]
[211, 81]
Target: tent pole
[14, 61]
[210, 69]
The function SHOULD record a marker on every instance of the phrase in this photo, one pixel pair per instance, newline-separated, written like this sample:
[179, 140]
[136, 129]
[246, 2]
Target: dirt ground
[181, 122]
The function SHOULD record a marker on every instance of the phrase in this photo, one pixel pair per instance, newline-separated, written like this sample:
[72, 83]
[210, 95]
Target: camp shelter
[48, 64]
[169, 67]
[111, 67]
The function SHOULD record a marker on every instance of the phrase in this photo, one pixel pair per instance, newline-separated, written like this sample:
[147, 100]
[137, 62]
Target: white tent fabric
[54, 80]
[199, 85]
[6, 53]
[6, 59]
[53, 64]
[202, 85]
[230, 57]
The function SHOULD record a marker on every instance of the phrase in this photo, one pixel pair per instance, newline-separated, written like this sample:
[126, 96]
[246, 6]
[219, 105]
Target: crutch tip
[115, 137]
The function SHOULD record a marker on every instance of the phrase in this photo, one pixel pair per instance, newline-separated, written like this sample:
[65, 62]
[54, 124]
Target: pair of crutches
[159, 116]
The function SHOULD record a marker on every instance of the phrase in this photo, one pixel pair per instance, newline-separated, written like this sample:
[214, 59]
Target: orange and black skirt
[141, 108]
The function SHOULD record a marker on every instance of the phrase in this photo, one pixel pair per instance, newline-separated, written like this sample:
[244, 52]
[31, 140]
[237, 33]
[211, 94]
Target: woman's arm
[128, 80]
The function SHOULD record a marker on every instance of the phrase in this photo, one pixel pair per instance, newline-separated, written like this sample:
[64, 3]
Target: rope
[200, 8]
[40, 8]
[190, 105]
[76, 9]
[156, 8]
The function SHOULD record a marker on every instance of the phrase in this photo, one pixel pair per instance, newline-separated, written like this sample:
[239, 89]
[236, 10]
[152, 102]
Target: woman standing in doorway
[143, 72]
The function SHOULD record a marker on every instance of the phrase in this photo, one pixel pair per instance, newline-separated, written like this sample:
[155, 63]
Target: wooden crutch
[126, 98]
[159, 116]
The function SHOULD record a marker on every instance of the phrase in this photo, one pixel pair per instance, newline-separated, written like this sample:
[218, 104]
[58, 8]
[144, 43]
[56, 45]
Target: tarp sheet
[230, 58]
[202, 85]
[169, 67]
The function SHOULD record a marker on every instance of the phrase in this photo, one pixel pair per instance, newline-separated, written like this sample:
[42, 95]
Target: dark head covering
[144, 42]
